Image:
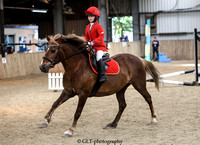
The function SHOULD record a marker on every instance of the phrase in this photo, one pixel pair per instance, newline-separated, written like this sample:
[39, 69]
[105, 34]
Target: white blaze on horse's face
[48, 49]
[42, 61]
[46, 52]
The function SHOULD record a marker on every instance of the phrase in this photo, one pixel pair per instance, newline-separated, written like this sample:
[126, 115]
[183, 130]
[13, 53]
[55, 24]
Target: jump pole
[174, 82]
[173, 74]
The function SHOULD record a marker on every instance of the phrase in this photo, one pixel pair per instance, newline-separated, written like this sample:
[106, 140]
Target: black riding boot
[102, 75]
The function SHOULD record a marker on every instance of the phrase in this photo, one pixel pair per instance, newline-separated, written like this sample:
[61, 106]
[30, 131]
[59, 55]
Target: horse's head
[52, 54]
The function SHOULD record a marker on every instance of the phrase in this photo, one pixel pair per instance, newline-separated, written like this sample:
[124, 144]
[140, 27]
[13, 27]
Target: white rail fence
[55, 81]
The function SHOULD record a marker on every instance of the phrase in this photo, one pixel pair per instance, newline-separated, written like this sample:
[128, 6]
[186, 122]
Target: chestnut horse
[79, 78]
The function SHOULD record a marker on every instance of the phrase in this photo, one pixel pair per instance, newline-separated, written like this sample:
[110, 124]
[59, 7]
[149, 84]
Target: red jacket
[96, 35]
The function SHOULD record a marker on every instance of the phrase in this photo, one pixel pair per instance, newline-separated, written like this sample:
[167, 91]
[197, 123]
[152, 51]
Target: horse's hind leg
[63, 97]
[122, 105]
[140, 86]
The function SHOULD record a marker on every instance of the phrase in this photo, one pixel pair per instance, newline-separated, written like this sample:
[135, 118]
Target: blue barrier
[163, 59]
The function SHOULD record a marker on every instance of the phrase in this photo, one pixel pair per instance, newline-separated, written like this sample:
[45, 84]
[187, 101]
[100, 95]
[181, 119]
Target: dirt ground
[25, 100]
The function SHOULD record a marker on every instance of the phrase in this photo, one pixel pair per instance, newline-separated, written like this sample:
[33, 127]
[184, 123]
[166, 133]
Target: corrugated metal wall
[164, 5]
[155, 5]
[183, 4]
[178, 22]
[170, 22]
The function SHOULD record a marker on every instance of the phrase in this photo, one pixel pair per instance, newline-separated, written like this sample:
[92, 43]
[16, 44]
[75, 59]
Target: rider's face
[91, 18]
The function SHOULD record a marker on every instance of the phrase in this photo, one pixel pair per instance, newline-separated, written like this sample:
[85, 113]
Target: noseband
[54, 62]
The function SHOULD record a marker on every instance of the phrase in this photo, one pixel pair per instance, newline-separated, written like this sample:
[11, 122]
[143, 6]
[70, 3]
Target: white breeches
[99, 55]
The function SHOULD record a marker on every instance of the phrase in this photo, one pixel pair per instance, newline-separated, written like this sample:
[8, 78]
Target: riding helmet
[93, 11]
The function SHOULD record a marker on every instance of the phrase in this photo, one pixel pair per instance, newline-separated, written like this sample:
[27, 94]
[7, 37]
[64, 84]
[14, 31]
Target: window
[122, 29]
[9, 39]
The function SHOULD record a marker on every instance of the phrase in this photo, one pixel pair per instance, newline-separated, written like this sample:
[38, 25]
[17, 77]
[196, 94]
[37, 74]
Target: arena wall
[21, 64]
[136, 48]
[179, 49]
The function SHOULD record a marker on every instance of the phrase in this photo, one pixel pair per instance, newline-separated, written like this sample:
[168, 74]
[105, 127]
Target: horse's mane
[72, 39]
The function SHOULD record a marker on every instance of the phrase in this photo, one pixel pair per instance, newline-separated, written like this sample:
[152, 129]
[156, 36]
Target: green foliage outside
[122, 24]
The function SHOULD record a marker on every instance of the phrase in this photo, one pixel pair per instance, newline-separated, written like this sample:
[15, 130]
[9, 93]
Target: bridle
[54, 62]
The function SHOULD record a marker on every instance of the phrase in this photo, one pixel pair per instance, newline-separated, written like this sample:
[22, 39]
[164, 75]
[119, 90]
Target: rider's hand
[92, 43]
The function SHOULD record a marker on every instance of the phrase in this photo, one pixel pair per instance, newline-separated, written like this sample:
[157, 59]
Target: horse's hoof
[110, 126]
[44, 124]
[154, 121]
[68, 133]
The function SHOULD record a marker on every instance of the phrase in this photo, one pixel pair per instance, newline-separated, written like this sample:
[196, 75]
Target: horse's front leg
[81, 104]
[63, 97]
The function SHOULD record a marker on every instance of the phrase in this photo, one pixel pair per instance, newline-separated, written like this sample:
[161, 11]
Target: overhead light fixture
[35, 10]
[39, 11]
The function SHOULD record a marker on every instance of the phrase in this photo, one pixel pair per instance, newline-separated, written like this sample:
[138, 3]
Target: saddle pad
[113, 67]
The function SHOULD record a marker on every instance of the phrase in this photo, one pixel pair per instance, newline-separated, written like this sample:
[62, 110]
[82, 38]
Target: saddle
[111, 66]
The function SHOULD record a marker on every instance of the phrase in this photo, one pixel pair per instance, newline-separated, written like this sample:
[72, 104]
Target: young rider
[94, 32]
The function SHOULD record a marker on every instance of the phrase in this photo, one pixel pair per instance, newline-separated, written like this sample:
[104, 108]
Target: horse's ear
[58, 38]
[48, 38]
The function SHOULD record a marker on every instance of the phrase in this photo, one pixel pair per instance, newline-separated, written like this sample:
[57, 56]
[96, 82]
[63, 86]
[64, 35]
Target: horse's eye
[53, 51]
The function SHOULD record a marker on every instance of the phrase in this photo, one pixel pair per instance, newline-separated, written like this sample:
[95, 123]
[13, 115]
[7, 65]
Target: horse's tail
[153, 71]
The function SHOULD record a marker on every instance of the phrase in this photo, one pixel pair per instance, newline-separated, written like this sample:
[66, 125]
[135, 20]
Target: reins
[54, 62]
[74, 54]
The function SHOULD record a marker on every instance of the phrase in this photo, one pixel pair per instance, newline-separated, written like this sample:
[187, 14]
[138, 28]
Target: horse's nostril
[42, 68]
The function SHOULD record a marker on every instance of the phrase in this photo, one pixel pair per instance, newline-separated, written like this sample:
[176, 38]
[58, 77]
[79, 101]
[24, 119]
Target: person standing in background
[155, 45]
